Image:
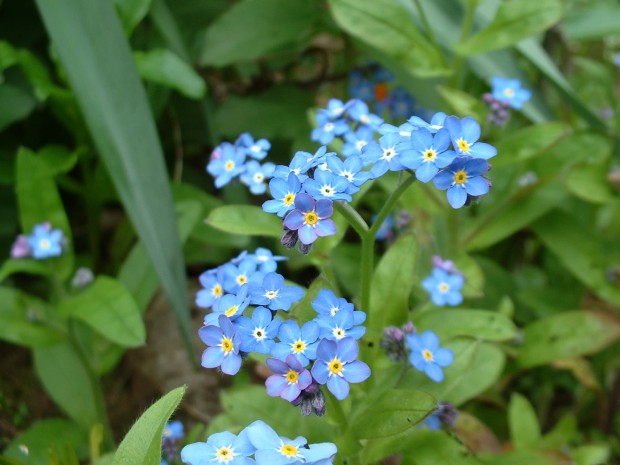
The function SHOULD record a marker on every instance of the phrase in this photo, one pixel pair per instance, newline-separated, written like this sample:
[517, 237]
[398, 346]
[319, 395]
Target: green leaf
[19, 323]
[591, 454]
[397, 411]
[523, 422]
[483, 324]
[16, 104]
[589, 182]
[131, 12]
[95, 54]
[142, 444]
[515, 20]
[392, 283]
[592, 21]
[59, 159]
[259, 27]
[164, 67]
[43, 435]
[108, 308]
[245, 219]
[462, 103]
[23, 265]
[68, 382]
[566, 335]
[386, 26]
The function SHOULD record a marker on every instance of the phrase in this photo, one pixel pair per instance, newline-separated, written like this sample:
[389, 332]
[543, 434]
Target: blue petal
[231, 364]
[318, 452]
[347, 350]
[356, 372]
[443, 357]
[426, 171]
[212, 357]
[477, 186]
[307, 234]
[483, 150]
[470, 129]
[275, 384]
[434, 372]
[262, 436]
[319, 371]
[304, 202]
[196, 453]
[430, 340]
[325, 228]
[443, 180]
[457, 196]
[338, 386]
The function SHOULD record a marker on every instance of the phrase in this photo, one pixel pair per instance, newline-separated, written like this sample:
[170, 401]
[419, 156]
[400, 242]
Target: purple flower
[223, 346]
[336, 366]
[289, 378]
[310, 218]
[21, 247]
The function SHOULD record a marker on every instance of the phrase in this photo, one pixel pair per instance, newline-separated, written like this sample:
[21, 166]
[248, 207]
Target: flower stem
[352, 216]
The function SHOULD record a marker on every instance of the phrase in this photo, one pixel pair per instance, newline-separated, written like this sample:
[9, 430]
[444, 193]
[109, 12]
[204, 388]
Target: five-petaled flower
[289, 378]
[310, 218]
[223, 346]
[427, 356]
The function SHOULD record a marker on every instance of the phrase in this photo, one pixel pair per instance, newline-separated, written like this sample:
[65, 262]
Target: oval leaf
[108, 308]
[245, 219]
[483, 324]
[142, 445]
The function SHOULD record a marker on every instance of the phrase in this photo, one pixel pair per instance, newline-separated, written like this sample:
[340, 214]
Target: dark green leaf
[245, 219]
[23, 265]
[566, 335]
[16, 104]
[523, 423]
[131, 12]
[259, 27]
[95, 54]
[515, 20]
[164, 67]
[108, 308]
[386, 26]
[142, 444]
[484, 324]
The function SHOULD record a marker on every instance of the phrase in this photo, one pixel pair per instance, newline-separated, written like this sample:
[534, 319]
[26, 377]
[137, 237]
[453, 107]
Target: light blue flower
[437, 122]
[289, 378]
[230, 305]
[356, 140]
[255, 149]
[427, 356]
[336, 366]
[463, 178]
[174, 430]
[243, 273]
[213, 283]
[351, 170]
[510, 91]
[300, 342]
[220, 449]
[45, 242]
[283, 193]
[328, 304]
[428, 153]
[342, 324]
[327, 128]
[266, 260]
[258, 332]
[444, 288]
[298, 165]
[222, 346]
[272, 292]
[255, 176]
[228, 164]
[384, 155]
[327, 185]
[465, 134]
[358, 111]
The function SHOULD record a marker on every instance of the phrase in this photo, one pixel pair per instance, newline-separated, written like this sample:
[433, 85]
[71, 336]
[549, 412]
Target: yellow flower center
[311, 218]
[288, 450]
[259, 177]
[428, 355]
[335, 367]
[509, 93]
[289, 199]
[443, 287]
[225, 454]
[231, 310]
[365, 119]
[229, 165]
[299, 346]
[292, 376]
[167, 432]
[429, 155]
[227, 345]
[217, 291]
[271, 294]
[44, 244]
[242, 279]
[460, 177]
[338, 333]
[463, 145]
[328, 127]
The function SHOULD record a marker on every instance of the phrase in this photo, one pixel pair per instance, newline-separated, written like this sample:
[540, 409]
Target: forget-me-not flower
[444, 287]
[465, 134]
[258, 332]
[464, 177]
[283, 193]
[272, 292]
[429, 153]
[310, 218]
[289, 378]
[222, 448]
[427, 356]
[223, 346]
[510, 91]
[301, 342]
[45, 242]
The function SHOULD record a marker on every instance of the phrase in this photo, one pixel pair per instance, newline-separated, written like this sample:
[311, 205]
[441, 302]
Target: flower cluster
[228, 161]
[445, 283]
[257, 444]
[172, 435]
[505, 94]
[43, 242]
[330, 339]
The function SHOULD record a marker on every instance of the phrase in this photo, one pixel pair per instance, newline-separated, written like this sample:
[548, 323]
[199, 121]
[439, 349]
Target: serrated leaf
[483, 324]
[142, 444]
[245, 219]
[164, 67]
[386, 26]
[523, 422]
[566, 335]
[515, 20]
[109, 309]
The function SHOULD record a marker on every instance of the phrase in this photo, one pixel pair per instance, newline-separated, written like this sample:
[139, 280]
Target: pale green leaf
[483, 324]
[523, 422]
[245, 219]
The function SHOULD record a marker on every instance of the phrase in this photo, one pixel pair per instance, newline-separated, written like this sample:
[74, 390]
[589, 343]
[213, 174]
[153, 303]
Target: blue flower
[298, 165]
[401, 103]
[255, 176]
[223, 346]
[310, 218]
[230, 305]
[266, 260]
[356, 140]
[360, 87]
[257, 333]
[336, 108]
[444, 288]
[327, 304]
[465, 134]
[351, 170]
[404, 130]
[327, 185]
[255, 149]
[300, 342]
[289, 378]
[272, 449]
[236, 276]
[427, 356]
[336, 366]
[437, 122]
[428, 153]
[221, 448]
[45, 242]
[227, 165]
[174, 430]
[359, 112]
[273, 293]
[284, 193]
[463, 178]
[342, 324]
[213, 283]
[510, 91]
[384, 155]
[385, 231]
[327, 128]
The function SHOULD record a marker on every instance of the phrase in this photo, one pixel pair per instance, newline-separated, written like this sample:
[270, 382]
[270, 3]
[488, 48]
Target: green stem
[468, 22]
[389, 204]
[353, 217]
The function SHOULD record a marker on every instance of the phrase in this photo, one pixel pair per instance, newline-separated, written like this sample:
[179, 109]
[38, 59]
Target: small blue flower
[384, 155]
[463, 178]
[258, 333]
[437, 122]
[327, 304]
[444, 288]
[327, 128]
[255, 176]
[427, 356]
[385, 231]
[356, 140]
[401, 103]
[310, 218]
[510, 91]
[327, 185]
[272, 449]
[465, 134]
[255, 149]
[213, 283]
[336, 108]
[360, 87]
[336, 366]
[266, 260]
[236, 276]
[283, 193]
[272, 292]
[45, 242]
[227, 165]
[342, 324]
[428, 153]
[223, 346]
[351, 170]
[174, 430]
[221, 448]
[359, 112]
[230, 305]
[298, 165]
[300, 342]
[289, 378]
